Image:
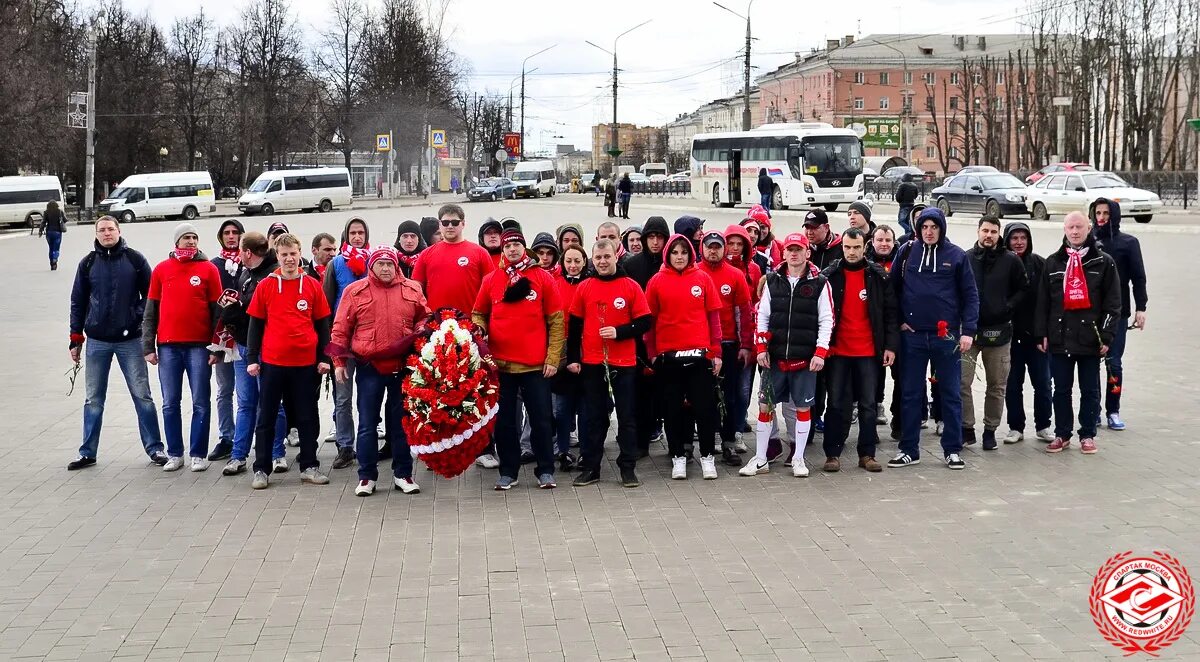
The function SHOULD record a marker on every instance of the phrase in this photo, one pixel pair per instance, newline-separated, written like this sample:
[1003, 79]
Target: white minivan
[534, 178]
[161, 195]
[23, 199]
[295, 190]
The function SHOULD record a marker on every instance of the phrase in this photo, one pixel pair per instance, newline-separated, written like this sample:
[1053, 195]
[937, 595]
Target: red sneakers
[1059, 445]
[1087, 446]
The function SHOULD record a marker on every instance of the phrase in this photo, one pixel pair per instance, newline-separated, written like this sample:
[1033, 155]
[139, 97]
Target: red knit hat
[383, 253]
[512, 234]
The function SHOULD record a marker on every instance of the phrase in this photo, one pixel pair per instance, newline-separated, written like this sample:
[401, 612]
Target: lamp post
[162, 157]
[523, 96]
[746, 80]
[614, 148]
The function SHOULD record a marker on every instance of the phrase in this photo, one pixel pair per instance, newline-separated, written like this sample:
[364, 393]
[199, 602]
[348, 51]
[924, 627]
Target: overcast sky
[687, 55]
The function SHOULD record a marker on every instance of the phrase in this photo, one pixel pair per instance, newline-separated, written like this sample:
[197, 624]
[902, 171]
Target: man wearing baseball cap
[737, 337]
[825, 247]
[795, 322]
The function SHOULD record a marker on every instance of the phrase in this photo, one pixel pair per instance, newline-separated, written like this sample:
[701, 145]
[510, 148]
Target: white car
[1064, 192]
[680, 177]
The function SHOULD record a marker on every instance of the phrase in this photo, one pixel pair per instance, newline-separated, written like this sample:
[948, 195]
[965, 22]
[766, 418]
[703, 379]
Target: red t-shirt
[289, 308]
[852, 334]
[517, 331]
[680, 303]
[184, 291]
[451, 274]
[734, 291]
[601, 303]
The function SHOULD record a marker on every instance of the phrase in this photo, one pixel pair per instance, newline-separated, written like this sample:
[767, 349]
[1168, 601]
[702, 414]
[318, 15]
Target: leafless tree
[191, 69]
[339, 63]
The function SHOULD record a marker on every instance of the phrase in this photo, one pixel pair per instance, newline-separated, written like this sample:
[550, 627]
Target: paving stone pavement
[122, 561]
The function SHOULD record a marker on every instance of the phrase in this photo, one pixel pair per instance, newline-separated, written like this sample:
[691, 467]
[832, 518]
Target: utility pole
[89, 177]
[614, 148]
[746, 76]
[523, 96]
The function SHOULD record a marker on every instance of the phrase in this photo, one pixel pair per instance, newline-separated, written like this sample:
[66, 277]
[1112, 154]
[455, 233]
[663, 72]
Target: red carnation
[943, 329]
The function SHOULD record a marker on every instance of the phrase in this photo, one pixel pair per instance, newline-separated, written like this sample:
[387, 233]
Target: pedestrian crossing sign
[383, 142]
[437, 138]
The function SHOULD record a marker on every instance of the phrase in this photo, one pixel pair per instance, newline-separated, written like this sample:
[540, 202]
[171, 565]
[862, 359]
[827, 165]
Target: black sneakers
[566, 462]
[730, 457]
[345, 458]
[80, 463]
[968, 435]
[587, 477]
[629, 478]
[989, 440]
[221, 451]
[159, 458]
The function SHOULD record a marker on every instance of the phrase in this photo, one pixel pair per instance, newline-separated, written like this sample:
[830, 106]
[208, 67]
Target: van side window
[139, 194]
[275, 186]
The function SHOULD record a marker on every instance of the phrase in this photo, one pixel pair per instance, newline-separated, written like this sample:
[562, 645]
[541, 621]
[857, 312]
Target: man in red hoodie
[181, 314]
[685, 341]
[737, 338]
[519, 308]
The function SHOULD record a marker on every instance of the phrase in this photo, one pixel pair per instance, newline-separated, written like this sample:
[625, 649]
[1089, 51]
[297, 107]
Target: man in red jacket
[519, 308]
[685, 341]
[737, 337]
[181, 314]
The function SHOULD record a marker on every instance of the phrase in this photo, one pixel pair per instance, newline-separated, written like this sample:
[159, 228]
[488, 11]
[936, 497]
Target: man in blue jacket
[939, 315]
[107, 303]
[348, 266]
[1127, 253]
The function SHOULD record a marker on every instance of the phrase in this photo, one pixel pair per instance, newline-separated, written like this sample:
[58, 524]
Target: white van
[161, 195]
[534, 178]
[295, 190]
[23, 199]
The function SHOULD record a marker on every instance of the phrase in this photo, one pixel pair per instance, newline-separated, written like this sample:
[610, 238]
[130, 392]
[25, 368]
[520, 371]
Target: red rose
[943, 329]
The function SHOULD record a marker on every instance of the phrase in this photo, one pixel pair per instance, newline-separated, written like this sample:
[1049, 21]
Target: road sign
[512, 144]
[501, 155]
[383, 142]
[879, 132]
[437, 138]
[1061, 101]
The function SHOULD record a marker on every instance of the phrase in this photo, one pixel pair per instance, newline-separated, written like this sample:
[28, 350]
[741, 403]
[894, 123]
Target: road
[995, 562]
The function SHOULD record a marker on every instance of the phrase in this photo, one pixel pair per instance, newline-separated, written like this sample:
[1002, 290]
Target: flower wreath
[450, 393]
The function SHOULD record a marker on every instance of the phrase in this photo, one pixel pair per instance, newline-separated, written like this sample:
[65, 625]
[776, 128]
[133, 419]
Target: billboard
[879, 132]
[512, 144]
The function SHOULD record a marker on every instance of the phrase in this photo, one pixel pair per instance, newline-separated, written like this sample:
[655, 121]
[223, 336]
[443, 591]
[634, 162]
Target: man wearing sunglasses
[452, 270]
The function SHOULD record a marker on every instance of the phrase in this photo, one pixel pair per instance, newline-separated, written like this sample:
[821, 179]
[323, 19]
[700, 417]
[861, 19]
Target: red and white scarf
[233, 258]
[513, 269]
[356, 258]
[184, 254]
[1075, 288]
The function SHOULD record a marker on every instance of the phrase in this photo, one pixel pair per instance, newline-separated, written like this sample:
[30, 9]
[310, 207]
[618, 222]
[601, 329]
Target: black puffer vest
[794, 317]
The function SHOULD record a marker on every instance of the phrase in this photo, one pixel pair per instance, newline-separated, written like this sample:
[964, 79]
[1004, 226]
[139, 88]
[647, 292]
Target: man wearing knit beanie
[859, 216]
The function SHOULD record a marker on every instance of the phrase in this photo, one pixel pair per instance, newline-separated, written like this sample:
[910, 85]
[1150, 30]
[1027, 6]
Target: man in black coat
[227, 262]
[1001, 281]
[766, 189]
[1023, 351]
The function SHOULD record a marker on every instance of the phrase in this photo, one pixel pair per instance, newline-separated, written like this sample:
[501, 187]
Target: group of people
[665, 327]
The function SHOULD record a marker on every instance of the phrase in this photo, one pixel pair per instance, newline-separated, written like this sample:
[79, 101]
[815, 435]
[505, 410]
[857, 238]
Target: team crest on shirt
[619, 303]
[301, 305]
[806, 290]
[726, 289]
[195, 281]
[462, 261]
[532, 296]
[697, 291]
[862, 294]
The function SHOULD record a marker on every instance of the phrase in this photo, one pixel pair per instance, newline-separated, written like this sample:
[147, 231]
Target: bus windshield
[831, 155]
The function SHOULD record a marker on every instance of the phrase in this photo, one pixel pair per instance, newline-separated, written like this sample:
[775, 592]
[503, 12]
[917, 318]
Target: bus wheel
[127, 216]
[716, 198]
[831, 206]
[189, 213]
[777, 198]
[326, 207]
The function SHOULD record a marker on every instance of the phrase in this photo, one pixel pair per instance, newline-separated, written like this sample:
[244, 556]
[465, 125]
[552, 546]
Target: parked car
[684, 176]
[1076, 190]
[869, 175]
[896, 174]
[585, 182]
[1058, 167]
[658, 177]
[492, 188]
[995, 193]
[965, 170]
[638, 178]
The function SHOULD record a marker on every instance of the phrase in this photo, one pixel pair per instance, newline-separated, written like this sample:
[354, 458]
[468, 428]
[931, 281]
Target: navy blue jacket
[1125, 251]
[935, 283]
[108, 298]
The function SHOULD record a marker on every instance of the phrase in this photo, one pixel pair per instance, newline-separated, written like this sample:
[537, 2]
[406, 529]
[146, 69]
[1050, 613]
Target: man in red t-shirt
[865, 335]
[285, 350]
[607, 315]
[181, 315]
[519, 308]
[737, 338]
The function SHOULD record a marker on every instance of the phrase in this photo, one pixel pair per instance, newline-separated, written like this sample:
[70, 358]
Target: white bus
[161, 195]
[23, 199]
[321, 189]
[810, 164]
[652, 169]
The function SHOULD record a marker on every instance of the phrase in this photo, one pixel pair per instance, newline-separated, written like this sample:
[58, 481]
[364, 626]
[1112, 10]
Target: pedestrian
[1126, 251]
[54, 223]
[430, 231]
[518, 307]
[825, 246]
[865, 338]
[906, 196]
[1078, 310]
[324, 248]
[379, 187]
[1002, 284]
[228, 263]
[766, 190]
[181, 314]
[454, 184]
[795, 323]
[107, 302]
[1024, 352]
[859, 217]
[545, 249]
[610, 196]
[409, 244]
[631, 240]
[256, 262]
[289, 330]
[489, 238]
[939, 316]
[377, 314]
[685, 343]
[641, 268]
[347, 267]
[738, 251]
[625, 192]
[607, 315]
[596, 182]
[567, 387]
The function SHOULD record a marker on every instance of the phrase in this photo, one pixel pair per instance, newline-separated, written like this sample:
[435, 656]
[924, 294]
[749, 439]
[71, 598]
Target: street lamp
[746, 81]
[523, 95]
[614, 147]
[162, 157]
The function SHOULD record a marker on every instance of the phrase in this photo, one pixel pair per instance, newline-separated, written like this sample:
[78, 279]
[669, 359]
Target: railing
[1175, 188]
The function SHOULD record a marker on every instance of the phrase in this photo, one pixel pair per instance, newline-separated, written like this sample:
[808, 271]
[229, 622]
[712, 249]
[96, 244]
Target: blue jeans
[1026, 356]
[903, 220]
[1063, 366]
[534, 390]
[764, 199]
[247, 389]
[920, 351]
[54, 241]
[567, 410]
[343, 408]
[98, 356]
[372, 387]
[173, 362]
[731, 392]
[1116, 377]
[225, 386]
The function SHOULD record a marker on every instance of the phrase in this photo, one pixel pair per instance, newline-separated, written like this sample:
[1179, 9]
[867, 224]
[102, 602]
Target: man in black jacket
[1127, 253]
[641, 268]
[865, 334]
[107, 302]
[766, 189]
[826, 247]
[1024, 352]
[1079, 306]
[1001, 281]
[229, 236]
[906, 197]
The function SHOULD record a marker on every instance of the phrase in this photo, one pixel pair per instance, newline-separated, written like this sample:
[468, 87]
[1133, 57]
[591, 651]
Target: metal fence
[1176, 189]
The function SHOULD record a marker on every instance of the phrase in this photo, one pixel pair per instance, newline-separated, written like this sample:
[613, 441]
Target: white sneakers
[753, 468]
[1014, 437]
[365, 488]
[708, 467]
[279, 465]
[173, 464]
[941, 427]
[293, 437]
[199, 464]
[487, 461]
[407, 485]
[799, 469]
[329, 438]
[1046, 435]
[679, 468]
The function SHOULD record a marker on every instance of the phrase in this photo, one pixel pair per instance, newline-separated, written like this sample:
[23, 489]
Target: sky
[688, 54]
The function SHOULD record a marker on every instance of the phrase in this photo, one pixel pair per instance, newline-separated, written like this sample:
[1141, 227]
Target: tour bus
[534, 179]
[810, 164]
[652, 169]
[23, 199]
[161, 195]
[321, 189]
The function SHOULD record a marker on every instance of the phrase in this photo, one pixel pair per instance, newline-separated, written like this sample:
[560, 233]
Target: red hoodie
[734, 292]
[685, 305]
[745, 262]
